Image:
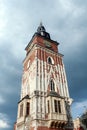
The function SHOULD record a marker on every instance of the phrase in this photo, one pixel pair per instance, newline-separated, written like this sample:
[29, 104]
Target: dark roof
[54, 94]
[41, 28]
[42, 31]
[26, 97]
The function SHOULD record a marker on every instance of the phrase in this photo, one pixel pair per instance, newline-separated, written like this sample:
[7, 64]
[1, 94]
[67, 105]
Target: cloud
[2, 19]
[4, 121]
[4, 124]
[81, 104]
[66, 22]
[78, 108]
[2, 100]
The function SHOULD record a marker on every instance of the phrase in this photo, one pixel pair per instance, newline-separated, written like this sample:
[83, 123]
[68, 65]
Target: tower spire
[41, 28]
[42, 31]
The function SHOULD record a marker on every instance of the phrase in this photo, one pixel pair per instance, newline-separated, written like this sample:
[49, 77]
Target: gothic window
[48, 106]
[52, 85]
[50, 60]
[21, 110]
[28, 109]
[57, 106]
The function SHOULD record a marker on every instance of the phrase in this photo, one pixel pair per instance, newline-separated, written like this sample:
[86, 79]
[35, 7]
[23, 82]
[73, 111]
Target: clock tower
[45, 102]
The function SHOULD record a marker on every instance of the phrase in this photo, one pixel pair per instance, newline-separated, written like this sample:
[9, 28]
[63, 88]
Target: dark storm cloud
[77, 75]
[76, 68]
[66, 22]
[10, 80]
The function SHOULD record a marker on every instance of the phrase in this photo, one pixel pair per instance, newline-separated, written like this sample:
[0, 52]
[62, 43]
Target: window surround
[52, 85]
[57, 106]
[50, 60]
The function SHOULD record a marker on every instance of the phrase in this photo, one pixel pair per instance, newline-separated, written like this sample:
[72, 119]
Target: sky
[66, 21]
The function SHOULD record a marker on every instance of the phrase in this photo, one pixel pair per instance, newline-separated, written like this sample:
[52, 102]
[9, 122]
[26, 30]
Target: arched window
[49, 60]
[52, 85]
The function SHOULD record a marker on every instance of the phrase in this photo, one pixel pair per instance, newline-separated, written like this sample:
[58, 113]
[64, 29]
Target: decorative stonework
[44, 89]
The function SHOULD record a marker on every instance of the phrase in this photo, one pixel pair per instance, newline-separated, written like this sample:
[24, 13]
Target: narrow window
[49, 60]
[52, 86]
[21, 110]
[55, 106]
[28, 109]
[48, 106]
[59, 107]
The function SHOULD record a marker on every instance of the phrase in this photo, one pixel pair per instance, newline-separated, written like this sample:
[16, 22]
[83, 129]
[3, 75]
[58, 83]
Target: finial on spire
[41, 24]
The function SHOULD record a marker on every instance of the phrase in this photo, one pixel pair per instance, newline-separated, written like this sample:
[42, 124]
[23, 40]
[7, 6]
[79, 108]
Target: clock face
[47, 44]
